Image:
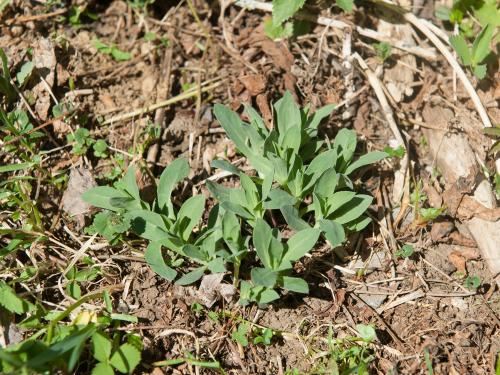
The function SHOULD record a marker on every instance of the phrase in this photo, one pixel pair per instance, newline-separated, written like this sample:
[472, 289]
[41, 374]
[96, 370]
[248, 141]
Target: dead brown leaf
[80, 180]
[440, 230]
[458, 261]
[254, 83]
[470, 208]
[45, 63]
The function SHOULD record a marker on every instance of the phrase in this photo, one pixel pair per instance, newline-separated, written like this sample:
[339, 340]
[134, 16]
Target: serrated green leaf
[103, 369]
[10, 301]
[481, 45]
[125, 358]
[285, 9]
[459, 43]
[101, 346]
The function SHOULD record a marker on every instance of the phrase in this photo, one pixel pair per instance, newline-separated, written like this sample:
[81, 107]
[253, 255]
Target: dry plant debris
[282, 186]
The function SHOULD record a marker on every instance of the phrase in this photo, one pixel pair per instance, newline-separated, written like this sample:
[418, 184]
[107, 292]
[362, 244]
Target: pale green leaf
[460, 45]
[481, 45]
[295, 284]
[300, 243]
[175, 172]
[154, 258]
[101, 346]
[25, 72]
[126, 358]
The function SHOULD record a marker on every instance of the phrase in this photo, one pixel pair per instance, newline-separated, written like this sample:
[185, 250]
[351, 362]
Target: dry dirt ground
[426, 317]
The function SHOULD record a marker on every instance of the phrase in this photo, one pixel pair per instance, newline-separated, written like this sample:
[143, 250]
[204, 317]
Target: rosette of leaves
[277, 259]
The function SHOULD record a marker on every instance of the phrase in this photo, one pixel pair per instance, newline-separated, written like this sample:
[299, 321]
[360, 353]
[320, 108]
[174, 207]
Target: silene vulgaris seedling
[300, 182]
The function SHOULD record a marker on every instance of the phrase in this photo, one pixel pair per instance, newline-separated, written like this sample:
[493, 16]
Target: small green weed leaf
[189, 215]
[100, 147]
[334, 232]
[264, 276]
[216, 265]
[25, 72]
[345, 144]
[442, 13]
[240, 335]
[175, 172]
[383, 50]
[125, 358]
[221, 193]
[366, 332]
[406, 251]
[492, 131]
[73, 289]
[300, 243]
[154, 258]
[366, 159]
[267, 296]
[101, 346]
[345, 5]
[265, 337]
[353, 209]
[285, 9]
[10, 300]
[103, 369]
[472, 282]
[282, 31]
[120, 55]
[459, 43]
[148, 224]
[481, 45]
[192, 276]
[15, 167]
[398, 152]
[295, 284]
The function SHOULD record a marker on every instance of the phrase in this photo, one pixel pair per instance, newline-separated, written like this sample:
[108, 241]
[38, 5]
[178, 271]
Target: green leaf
[120, 55]
[338, 199]
[10, 300]
[221, 193]
[233, 126]
[345, 145]
[101, 346]
[192, 276]
[300, 243]
[154, 258]
[288, 120]
[295, 284]
[25, 72]
[15, 167]
[285, 9]
[334, 232]
[126, 358]
[102, 369]
[366, 332]
[353, 209]
[225, 165]
[481, 45]
[278, 199]
[345, 5]
[175, 172]
[189, 215]
[107, 197]
[240, 335]
[282, 31]
[262, 236]
[492, 131]
[292, 218]
[406, 251]
[366, 159]
[472, 282]
[267, 296]
[327, 183]
[319, 115]
[480, 71]
[459, 43]
[264, 276]
[72, 342]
